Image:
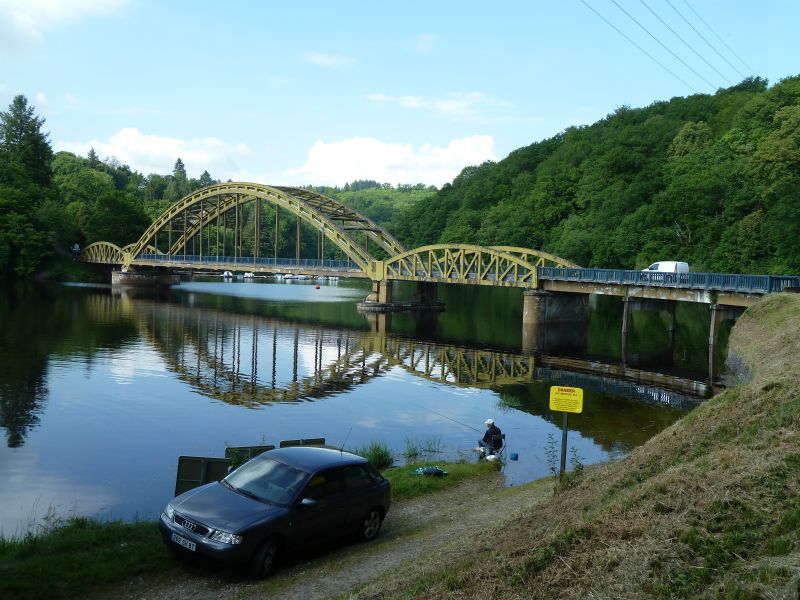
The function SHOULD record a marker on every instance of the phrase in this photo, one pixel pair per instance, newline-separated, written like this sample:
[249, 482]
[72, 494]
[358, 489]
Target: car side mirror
[308, 503]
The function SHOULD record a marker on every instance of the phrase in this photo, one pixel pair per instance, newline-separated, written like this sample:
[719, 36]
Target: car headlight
[169, 512]
[226, 538]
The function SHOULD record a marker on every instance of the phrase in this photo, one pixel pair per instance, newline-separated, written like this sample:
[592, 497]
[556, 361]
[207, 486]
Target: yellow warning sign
[566, 399]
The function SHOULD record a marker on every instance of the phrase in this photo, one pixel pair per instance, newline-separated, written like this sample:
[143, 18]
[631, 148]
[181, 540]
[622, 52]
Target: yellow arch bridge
[211, 228]
[221, 228]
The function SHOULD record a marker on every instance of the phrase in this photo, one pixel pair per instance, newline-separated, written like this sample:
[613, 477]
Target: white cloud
[327, 163]
[157, 154]
[463, 106]
[24, 22]
[330, 61]
[336, 163]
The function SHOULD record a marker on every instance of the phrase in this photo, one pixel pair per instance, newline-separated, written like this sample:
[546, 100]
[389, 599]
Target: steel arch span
[195, 216]
[506, 266]
[104, 253]
[108, 253]
[189, 216]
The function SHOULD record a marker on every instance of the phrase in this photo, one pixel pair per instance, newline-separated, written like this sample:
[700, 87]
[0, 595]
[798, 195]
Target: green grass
[763, 521]
[407, 484]
[77, 557]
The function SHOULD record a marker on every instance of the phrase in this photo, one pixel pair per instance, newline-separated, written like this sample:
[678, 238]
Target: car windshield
[268, 480]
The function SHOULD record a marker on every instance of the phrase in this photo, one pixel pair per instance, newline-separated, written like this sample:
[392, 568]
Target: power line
[642, 50]
[704, 39]
[700, 56]
[719, 38]
[685, 64]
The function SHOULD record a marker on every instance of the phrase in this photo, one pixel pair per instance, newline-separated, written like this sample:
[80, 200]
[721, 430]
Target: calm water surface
[101, 391]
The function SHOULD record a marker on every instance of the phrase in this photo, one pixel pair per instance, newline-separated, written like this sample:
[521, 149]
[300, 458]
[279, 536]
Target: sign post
[567, 400]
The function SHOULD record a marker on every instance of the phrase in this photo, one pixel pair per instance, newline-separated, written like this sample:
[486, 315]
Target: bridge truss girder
[188, 217]
[505, 266]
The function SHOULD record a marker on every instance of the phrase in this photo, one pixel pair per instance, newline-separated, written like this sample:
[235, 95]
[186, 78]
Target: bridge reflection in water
[252, 361]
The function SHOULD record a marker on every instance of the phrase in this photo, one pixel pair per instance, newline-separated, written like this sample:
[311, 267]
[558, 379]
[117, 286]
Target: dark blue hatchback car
[279, 501]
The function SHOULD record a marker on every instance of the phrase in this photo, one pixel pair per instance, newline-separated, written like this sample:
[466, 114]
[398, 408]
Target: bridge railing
[722, 282]
[245, 262]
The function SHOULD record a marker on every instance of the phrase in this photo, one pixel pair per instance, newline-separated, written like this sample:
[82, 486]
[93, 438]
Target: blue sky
[328, 92]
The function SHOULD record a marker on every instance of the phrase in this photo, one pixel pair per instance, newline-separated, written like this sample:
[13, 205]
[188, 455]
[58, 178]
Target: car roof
[313, 458]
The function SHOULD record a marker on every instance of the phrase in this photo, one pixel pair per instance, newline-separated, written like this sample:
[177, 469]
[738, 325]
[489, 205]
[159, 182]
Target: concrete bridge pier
[550, 321]
[381, 292]
[626, 312]
[664, 357]
[380, 299]
[672, 307]
[160, 277]
[719, 313]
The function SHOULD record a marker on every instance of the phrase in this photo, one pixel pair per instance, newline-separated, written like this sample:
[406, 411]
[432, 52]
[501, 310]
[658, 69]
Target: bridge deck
[339, 268]
[733, 289]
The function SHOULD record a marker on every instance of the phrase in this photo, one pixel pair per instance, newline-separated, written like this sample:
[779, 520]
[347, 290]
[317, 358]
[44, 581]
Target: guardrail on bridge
[747, 284]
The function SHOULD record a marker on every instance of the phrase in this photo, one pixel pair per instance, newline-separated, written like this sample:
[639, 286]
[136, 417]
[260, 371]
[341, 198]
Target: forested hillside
[710, 179]
[380, 202]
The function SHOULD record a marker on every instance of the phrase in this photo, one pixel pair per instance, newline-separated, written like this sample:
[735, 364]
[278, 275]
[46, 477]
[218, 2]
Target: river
[101, 391]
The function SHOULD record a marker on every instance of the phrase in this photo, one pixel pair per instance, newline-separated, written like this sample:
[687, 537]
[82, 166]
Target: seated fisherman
[492, 440]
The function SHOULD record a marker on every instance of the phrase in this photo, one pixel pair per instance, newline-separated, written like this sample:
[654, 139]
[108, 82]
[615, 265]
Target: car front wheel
[371, 524]
[264, 559]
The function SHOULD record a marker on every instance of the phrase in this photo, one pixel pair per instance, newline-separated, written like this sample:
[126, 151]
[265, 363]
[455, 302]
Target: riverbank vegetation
[70, 558]
[706, 509]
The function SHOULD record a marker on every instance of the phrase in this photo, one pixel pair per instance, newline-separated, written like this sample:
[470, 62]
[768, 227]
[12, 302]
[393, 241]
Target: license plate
[182, 541]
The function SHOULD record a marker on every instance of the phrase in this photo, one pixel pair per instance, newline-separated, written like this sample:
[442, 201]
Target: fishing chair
[501, 451]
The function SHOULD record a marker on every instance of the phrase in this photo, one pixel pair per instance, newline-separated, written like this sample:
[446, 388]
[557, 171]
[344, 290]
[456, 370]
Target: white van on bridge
[658, 270]
[669, 266]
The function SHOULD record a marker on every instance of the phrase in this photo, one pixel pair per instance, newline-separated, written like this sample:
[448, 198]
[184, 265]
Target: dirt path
[414, 531]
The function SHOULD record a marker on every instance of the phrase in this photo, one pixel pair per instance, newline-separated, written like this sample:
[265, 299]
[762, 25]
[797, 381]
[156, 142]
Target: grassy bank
[77, 556]
[80, 555]
[709, 508]
[407, 484]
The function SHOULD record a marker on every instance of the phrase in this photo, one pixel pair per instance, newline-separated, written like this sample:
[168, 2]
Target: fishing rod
[448, 418]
